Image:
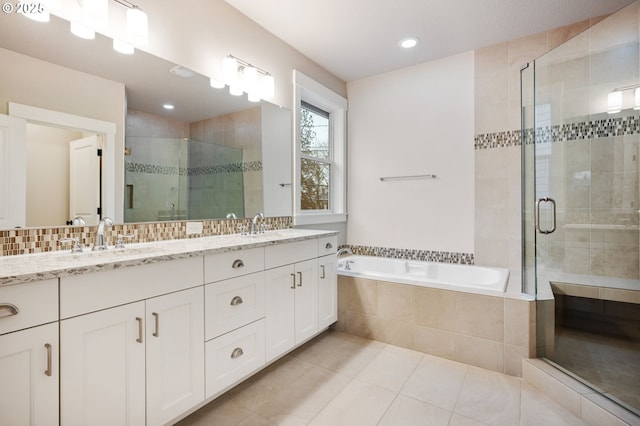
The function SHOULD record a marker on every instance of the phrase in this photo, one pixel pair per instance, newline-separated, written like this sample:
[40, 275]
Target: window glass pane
[314, 185]
[314, 129]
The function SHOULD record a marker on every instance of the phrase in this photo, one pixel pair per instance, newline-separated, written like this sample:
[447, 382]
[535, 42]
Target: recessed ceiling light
[168, 106]
[408, 42]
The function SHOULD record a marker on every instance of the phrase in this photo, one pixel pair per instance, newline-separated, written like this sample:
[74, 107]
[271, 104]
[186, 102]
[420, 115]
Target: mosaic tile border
[249, 166]
[39, 240]
[413, 254]
[603, 128]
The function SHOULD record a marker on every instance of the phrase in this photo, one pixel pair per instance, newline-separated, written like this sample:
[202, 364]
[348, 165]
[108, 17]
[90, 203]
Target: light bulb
[137, 26]
[216, 84]
[122, 47]
[230, 70]
[82, 31]
[96, 12]
[235, 91]
[267, 86]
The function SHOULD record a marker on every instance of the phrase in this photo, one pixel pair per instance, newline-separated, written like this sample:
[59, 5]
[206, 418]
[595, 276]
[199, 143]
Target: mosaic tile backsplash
[39, 240]
[413, 254]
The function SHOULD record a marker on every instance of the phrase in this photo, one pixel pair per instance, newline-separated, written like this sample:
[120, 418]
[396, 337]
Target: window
[320, 160]
[315, 158]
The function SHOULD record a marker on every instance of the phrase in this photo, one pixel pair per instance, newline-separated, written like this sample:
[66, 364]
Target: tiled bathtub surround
[485, 331]
[410, 254]
[38, 240]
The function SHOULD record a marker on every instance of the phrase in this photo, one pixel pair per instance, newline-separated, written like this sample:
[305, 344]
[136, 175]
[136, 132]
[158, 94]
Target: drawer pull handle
[8, 310]
[329, 246]
[323, 273]
[139, 339]
[300, 275]
[47, 372]
[238, 263]
[237, 300]
[294, 281]
[237, 352]
[156, 316]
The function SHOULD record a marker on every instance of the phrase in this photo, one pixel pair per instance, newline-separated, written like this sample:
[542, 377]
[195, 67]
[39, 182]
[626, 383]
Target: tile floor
[340, 379]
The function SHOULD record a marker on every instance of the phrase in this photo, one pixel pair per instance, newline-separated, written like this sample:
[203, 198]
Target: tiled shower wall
[497, 144]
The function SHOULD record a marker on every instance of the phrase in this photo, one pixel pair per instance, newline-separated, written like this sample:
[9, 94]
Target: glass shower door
[580, 207]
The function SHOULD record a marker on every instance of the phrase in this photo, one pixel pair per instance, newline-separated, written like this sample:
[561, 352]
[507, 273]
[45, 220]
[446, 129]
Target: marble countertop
[41, 266]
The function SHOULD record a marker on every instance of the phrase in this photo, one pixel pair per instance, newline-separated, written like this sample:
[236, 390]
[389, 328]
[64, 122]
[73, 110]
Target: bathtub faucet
[344, 250]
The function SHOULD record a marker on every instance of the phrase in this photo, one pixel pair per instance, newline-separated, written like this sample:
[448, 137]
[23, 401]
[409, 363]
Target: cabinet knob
[328, 246]
[8, 310]
[237, 352]
[237, 300]
[238, 263]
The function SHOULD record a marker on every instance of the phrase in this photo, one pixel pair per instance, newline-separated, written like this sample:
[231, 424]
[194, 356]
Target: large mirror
[211, 155]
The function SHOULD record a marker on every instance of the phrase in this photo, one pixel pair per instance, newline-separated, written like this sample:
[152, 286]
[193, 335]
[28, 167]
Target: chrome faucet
[231, 215]
[344, 250]
[100, 243]
[255, 228]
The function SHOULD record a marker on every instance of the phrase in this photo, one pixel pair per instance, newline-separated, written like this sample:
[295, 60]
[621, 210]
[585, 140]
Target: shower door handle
[553, 209]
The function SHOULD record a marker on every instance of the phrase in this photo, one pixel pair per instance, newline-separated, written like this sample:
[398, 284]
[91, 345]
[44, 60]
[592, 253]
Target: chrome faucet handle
[244, 229]
[120, 241]
[77, 247]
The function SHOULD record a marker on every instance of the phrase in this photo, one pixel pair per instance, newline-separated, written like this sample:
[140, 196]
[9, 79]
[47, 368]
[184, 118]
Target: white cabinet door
[175, 354]
[102, 369]
[291, 306]
[327, 291]
[279, 310]
[29, 376]
[306, 300]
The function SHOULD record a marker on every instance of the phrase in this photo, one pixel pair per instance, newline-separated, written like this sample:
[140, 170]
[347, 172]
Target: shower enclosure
[580, 162]
[180, 179]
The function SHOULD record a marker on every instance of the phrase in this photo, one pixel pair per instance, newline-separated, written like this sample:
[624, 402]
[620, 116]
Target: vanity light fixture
[216, 84]
[95, 12]
[82, 31]
[408, 42]
[241, 77]
[137, 26]
[615, 98]
[168, 107]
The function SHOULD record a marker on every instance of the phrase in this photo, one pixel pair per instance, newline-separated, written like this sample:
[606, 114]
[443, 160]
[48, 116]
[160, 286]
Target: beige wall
[417, 120]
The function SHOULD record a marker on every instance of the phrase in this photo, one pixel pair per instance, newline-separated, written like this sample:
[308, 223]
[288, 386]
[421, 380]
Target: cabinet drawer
[233, 303]
[80, 294]
[27, 305]
[285, 254]
[233, 264]
[233, 356]
[327, 245]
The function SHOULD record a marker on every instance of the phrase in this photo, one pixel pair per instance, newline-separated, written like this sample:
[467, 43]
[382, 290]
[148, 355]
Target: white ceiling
[354, 39]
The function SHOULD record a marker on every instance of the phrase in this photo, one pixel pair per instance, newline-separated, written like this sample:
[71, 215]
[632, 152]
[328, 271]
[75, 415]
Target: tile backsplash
[39, 240]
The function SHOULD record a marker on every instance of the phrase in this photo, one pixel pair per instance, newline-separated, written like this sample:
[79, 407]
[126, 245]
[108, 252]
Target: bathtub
[448, 276]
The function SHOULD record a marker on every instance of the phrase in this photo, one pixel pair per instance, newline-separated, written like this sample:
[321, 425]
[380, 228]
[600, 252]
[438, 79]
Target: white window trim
[309, 90]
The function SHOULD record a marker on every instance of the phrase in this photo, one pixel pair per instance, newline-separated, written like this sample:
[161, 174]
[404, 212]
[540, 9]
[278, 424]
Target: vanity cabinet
[146, 344]
[138, 363]
[291, 303]
[29, 354]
